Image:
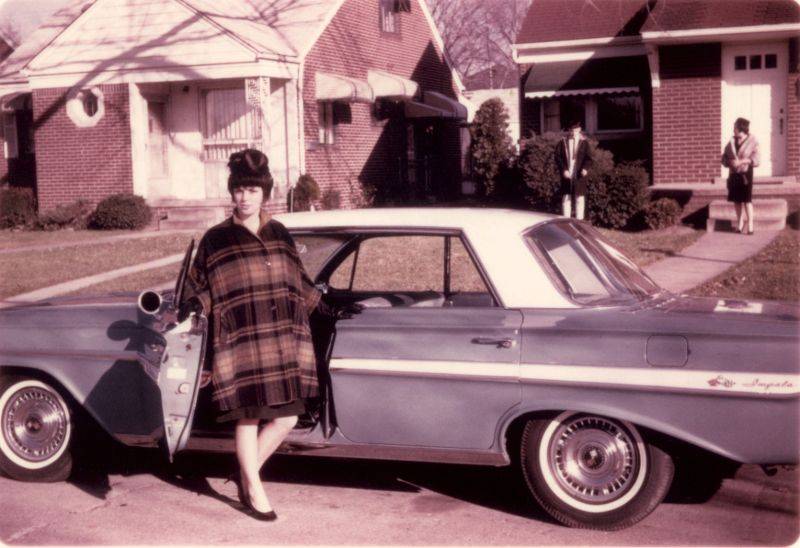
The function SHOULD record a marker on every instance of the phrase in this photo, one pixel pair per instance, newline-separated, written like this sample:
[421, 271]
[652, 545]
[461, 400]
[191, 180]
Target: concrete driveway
[134, 497]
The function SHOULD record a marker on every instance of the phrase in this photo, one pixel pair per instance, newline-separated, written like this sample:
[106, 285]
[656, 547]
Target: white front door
[754, 81]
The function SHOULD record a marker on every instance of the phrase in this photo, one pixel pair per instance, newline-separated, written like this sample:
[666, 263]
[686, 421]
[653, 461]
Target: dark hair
[573, 122]
[249, 167]
[743, 125]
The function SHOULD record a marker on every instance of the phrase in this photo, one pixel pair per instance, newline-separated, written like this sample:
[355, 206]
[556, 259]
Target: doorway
[754, 82]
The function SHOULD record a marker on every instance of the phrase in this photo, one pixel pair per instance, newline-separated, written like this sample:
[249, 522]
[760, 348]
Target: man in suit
[573, 162]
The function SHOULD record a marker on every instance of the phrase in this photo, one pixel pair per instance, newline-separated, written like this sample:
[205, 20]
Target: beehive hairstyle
[743, 125]
[249, 167]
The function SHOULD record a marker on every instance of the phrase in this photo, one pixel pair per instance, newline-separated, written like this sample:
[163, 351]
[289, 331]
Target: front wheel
[35, 431]
[593, 472]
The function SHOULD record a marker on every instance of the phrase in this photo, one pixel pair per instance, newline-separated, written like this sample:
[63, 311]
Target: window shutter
[11, 146]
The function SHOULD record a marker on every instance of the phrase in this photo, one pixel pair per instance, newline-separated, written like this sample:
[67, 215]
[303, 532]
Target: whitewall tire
[594, 472]
[35, 431]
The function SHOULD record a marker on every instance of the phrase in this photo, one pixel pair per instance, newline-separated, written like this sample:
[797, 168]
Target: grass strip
[771, 274]
[649, 246]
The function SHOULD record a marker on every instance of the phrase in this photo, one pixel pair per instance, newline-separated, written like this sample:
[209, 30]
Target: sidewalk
[708, 257]
[101, 240]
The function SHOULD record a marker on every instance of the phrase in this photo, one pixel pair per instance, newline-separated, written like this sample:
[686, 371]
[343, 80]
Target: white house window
[228, 125]
[90, 103]
[388, 15]
[616, 113]
[597, 113]
[755, 62]
[86, 107]
[740, 62]
[11, 149]
[326, 123]
[770, 61]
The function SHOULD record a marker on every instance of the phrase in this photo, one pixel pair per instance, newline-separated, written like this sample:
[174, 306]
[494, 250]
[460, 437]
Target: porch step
[770, 214]
[765, 180]
[199, 218]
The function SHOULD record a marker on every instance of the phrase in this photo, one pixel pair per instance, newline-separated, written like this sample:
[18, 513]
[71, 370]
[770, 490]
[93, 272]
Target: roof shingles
[557, 20]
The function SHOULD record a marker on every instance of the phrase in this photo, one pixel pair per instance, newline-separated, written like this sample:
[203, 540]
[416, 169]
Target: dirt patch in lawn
[771, 274]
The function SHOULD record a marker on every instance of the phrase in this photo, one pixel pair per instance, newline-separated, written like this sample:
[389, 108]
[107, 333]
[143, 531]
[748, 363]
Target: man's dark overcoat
[576, 184]
[258, 298]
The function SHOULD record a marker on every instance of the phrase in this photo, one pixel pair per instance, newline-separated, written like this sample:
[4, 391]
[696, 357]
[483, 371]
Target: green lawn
[649, 246]
[25, 271]
[12, 239]
[772, 274]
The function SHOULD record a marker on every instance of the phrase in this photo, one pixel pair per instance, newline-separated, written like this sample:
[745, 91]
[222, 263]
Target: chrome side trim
[734, 383]
[357, 451]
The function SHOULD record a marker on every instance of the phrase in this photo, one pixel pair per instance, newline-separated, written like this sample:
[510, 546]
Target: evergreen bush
[491, 149]
[331, 199]
[614, 199]
[126, 211]
[306, 191]
[17, 207]
[662, 213]
[72, 215]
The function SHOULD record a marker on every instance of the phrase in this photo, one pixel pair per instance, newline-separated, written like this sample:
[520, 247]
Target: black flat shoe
[245, 500]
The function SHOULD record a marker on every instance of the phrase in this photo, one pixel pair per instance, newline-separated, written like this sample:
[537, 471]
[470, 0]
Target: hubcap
[593, 459]
[35, 424]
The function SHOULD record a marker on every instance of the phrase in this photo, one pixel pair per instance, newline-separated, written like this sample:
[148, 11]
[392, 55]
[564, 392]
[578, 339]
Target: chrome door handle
[499, 343]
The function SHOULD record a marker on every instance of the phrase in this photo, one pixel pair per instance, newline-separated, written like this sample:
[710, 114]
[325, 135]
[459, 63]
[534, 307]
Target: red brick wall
[367, 151]
[687, 115]
[793, 126]
[74, 162]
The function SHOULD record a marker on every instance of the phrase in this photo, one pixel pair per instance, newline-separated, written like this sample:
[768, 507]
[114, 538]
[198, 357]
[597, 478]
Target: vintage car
[487, 337]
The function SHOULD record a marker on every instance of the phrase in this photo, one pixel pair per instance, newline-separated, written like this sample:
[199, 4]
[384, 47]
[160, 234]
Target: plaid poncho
[258, 298]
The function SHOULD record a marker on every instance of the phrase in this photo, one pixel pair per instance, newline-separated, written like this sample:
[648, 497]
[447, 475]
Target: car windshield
[587, 266]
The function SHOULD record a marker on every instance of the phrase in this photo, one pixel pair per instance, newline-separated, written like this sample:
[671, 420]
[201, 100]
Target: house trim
[437, 38]
[561, 44]
[167, 73]
[588, 91]
[772, 32]
[581, 54]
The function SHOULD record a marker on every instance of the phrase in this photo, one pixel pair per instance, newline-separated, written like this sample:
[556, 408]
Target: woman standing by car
[248, 279]
[740, 157]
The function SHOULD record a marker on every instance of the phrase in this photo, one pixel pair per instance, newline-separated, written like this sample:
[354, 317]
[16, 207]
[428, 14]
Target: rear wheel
[35, 431]
[593, 472]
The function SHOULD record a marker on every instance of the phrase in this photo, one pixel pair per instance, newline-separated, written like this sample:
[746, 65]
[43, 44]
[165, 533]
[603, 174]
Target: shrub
[491, 149]
[538, 171]
[17, 207]
[72, 215]
[305, 192]
[121, 211]
[662, 213]
[331, 199]
[613, 200]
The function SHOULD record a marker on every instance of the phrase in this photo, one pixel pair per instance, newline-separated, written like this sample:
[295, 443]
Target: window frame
[326, 123]
[590, 116]
[387, 11]
[352, 246]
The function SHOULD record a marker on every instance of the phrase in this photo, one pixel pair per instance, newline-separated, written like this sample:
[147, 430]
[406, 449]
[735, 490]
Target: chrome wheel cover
[35, 424]
[593, 463]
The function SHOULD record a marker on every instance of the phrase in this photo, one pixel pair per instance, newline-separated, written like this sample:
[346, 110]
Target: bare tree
[478, 34]
[10, 32]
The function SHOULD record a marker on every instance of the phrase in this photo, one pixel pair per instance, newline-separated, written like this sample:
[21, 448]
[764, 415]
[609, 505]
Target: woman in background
[740, 157]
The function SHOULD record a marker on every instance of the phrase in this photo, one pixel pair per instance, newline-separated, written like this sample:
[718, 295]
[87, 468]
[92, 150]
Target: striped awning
[334, 87]
[589, 77]
[388, 85]
[435, 105]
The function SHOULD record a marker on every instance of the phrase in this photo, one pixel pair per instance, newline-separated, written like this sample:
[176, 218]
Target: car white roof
[495, 235]
[467, 219]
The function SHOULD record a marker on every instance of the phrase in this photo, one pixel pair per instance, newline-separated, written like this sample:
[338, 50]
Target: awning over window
[334, 87]
[436, 105]
[386, 84]
[593, 76]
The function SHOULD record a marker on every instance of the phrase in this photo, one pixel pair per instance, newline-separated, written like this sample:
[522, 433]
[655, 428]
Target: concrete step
[195, 213]
[769, 213]
[764, 180]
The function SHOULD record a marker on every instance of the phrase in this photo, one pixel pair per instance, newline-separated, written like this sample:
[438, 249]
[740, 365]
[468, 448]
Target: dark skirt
[740, 187]
[266, 413]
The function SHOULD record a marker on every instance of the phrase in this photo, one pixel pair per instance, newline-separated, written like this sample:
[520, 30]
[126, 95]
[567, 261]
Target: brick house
[152, 96]
[663, 80]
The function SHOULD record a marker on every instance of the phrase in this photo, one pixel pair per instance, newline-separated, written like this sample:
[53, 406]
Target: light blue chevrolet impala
[486, 337]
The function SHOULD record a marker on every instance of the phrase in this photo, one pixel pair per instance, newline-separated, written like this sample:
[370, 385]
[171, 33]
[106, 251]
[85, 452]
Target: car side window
[412, 270]
[314, 251]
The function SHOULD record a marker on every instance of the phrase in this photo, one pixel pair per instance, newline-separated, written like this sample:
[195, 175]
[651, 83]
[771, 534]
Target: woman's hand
[566, 174]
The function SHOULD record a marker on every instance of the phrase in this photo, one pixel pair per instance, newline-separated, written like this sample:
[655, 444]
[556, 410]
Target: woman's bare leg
[247, 455]
[748, 207]
[566, 205]
[739, 218]
[271, 436]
